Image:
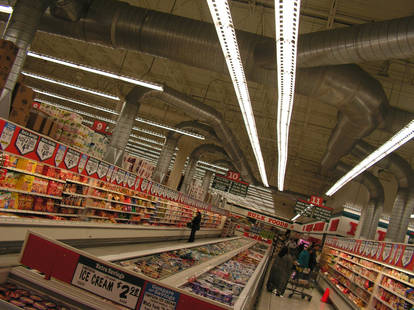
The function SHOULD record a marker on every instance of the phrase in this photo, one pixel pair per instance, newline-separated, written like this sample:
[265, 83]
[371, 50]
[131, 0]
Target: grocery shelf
[69, 206]
[37, 212]
[112, 210]
[353, 262]
[12, 190]
[76, 182]
[396, 294]
[182, 277]
[398, 279]
[352, 290]
[33, 174]
[384, 302]
[75, 194]
[355, 272]
[343, 300]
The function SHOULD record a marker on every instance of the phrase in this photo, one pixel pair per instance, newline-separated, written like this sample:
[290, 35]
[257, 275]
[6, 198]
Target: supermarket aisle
[268, 301]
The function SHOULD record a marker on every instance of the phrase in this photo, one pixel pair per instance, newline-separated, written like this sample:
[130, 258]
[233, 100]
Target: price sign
[159, 298]
[239, 189]
[107, 282]
[221, 184]
[301, 206]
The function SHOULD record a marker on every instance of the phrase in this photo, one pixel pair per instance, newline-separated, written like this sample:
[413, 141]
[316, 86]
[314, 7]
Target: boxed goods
[25, 182]
[26, 164]
[23, 97]
[8, 53]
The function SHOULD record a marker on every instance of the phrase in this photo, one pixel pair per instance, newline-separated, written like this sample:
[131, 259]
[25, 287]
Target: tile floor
[269, 301]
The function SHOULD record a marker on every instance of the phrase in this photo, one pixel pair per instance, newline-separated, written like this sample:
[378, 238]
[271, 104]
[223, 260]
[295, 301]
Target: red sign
[234, 176]
[317, 201]
[267, 219]
[99, 126]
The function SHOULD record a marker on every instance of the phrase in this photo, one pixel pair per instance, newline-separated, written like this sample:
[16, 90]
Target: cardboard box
[47, 126]
[19, 117]
[55, 130]
[23, 97]
[36, 120]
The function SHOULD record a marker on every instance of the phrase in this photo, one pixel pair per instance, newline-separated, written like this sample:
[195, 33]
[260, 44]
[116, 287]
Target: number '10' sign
[235, 176]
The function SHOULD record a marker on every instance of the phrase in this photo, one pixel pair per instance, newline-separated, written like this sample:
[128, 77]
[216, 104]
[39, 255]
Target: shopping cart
[301, 280]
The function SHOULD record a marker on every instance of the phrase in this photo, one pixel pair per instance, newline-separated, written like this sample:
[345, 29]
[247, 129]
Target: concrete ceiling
[312, 121]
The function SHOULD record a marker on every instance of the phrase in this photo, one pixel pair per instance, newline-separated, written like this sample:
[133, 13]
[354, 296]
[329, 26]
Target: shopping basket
[300, 281]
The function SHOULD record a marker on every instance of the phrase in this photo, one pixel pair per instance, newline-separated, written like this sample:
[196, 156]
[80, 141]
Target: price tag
[26, 142]
[92, 166]
[7, 135]
[159, 298]
[71, 159]
[107, 282]
[59, 155]
[45, 149]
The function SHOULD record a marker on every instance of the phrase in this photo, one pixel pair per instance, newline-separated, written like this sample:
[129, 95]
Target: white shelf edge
[12, 190]
[33, 174]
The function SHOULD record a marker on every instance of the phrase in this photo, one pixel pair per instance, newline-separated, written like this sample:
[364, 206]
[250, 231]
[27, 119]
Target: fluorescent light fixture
[401, 137]
[147, 139]
[211, 165]
[184, 132]
[287, 24]
[75, 101]
[143, 149]
[149, 132]
[220, 12]
[97, 71]
[76, 111]
[145, 144]
[412, 216]
[141, 154]
[6, 9]
[86, 90]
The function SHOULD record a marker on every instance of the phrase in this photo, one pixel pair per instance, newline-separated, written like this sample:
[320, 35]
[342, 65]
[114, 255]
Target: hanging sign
[230, 183]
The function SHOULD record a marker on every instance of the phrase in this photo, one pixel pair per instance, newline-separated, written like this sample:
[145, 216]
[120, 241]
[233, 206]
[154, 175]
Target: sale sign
[99, 126]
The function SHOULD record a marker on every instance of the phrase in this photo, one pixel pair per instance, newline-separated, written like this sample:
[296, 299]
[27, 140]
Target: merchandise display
[31, 188]
[367, 283]
[162, 265]
[225, 282]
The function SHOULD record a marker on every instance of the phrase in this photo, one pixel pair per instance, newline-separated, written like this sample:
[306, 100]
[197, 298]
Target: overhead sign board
[313, 208]
[230, 183]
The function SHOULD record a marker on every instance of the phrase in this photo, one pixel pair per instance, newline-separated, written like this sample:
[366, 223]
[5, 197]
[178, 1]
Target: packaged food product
[25, 182]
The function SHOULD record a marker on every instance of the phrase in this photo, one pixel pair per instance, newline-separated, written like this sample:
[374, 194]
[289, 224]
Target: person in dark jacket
[195, 225]
[280, 273]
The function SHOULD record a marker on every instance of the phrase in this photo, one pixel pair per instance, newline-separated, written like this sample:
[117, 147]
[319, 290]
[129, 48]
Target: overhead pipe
[20, 30]
[360, 99]
[368, 222]
[404, 202]
[192, 163]
[171, 142]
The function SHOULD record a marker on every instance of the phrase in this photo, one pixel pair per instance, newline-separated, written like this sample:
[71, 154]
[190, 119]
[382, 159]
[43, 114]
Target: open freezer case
[218, 274]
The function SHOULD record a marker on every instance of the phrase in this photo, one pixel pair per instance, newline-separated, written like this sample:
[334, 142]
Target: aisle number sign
[102, 280]
[231, 183]
[314, 207]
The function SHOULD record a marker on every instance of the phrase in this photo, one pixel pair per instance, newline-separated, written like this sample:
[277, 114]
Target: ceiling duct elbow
[70, 10]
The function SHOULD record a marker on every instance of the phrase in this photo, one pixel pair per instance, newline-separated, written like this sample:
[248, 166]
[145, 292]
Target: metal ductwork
[391, 39]
[70, 10]
[404, 201]
[194, 109]
[21, 28]
[122, 130]
[369, 221]
[359, 98]
[192, 163]
[171, 143]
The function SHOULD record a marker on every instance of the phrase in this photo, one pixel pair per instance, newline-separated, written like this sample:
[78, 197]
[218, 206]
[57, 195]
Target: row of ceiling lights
[287, 23]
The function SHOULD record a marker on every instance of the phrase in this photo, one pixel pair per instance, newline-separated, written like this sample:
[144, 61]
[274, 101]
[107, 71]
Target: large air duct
[192, 163]
[359, 98]
[20, 30]
[369, 221]
[404, 201]
[164, 160]
[193, 108]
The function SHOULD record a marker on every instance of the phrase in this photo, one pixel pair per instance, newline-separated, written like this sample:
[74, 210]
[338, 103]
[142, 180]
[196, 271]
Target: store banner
[22, 142]
[394, 254]
[267, 219]
[104, 279]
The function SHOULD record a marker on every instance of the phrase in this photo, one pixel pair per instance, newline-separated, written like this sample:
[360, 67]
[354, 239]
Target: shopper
[195, 225]
[304, 256]
[280, 273]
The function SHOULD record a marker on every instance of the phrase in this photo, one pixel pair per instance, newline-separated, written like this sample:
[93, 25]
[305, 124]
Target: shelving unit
[13, 190]
[383, 287]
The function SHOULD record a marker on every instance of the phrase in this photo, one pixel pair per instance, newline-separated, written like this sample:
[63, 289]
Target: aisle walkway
[269, 301]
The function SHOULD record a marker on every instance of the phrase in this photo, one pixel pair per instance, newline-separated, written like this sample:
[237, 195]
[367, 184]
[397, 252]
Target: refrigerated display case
[64, 274]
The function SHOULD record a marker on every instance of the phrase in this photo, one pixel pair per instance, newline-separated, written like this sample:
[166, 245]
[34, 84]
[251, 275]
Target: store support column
[206, 182]
[179, 163]
[20, 30]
